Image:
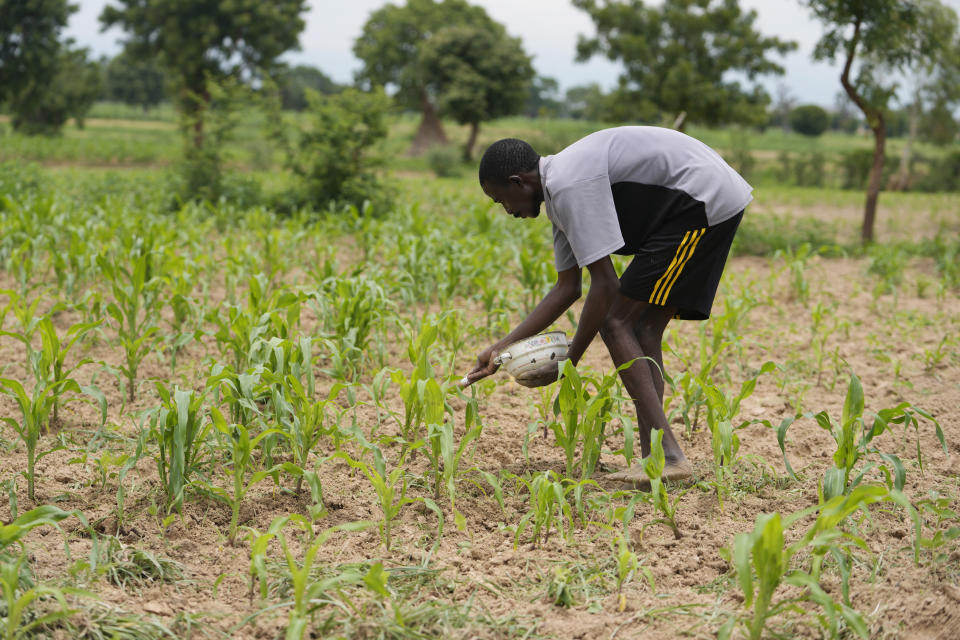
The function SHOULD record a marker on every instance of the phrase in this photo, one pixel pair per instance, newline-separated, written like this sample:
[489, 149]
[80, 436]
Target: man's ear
[516, 179]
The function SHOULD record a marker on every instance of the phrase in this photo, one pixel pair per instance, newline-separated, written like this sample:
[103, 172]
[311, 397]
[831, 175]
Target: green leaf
[376, 580]
[833, 483]
[853, 404]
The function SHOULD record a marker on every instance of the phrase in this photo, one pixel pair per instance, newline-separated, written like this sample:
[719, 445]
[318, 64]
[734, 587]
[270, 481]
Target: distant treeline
[142, 83]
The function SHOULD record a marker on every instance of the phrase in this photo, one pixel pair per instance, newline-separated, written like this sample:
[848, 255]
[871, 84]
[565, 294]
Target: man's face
[518, 198]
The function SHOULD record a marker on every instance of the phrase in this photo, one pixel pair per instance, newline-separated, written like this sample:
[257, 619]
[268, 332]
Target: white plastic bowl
[531, 353]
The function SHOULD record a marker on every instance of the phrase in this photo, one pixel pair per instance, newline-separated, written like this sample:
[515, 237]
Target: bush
[802, 169]
[809, 169]
[444, 161]
[944, 174]
[855, 168]
[335, 157]
[809, 120]
[740, 157]
[763, 235]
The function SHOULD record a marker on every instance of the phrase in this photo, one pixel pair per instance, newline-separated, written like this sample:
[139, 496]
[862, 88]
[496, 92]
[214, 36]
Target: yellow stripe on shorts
[687, 246]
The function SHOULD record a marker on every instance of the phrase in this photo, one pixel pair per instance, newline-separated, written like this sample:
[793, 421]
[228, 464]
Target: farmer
[656, 194]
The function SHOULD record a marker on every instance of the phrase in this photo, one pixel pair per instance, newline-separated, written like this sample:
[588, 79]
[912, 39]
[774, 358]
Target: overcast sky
[548, 28]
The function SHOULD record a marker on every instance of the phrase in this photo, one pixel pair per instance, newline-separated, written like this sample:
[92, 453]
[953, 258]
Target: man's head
[510, 175]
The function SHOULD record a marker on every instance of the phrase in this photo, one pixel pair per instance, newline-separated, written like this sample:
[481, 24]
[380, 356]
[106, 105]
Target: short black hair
[505, 158]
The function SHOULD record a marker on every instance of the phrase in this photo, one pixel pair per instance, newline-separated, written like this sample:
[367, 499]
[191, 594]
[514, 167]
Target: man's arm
[564, 293]
[604, 288]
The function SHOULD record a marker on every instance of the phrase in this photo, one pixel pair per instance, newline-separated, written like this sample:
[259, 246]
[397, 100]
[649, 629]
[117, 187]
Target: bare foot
[635, 478]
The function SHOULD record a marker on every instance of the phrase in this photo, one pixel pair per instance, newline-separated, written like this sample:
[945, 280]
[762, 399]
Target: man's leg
[649, 331]
[631, 325]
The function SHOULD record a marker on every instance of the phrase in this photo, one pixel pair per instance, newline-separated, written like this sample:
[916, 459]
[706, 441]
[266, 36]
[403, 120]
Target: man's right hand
[485, 364]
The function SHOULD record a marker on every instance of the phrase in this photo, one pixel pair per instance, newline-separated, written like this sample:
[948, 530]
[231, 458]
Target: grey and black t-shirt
[606, 192]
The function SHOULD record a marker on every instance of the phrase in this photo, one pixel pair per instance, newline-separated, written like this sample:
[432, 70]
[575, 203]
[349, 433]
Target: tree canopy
[30, 42]
[809, 120]
[294, 82]
[134, 81]
[389, 48]
[683, 56]
[194, 40]
[476, 74]
[43, 79]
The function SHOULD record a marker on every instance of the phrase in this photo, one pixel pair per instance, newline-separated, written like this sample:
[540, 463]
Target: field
[222, 422]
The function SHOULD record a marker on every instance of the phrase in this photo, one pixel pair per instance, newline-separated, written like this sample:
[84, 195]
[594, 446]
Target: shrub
[444, 161]
[809, 120]
[809, 169]
[335, 157]
[944, 174]
[740, 156]
[855, 168]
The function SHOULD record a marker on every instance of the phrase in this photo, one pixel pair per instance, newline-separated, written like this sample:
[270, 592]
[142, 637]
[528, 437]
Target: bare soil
[889, 340]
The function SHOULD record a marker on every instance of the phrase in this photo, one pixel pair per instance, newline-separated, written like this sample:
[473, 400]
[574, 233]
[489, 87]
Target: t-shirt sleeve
[587, 217]
[563, 256]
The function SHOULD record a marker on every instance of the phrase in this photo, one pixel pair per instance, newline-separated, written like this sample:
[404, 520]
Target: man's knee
[613, 327]
[648, 335]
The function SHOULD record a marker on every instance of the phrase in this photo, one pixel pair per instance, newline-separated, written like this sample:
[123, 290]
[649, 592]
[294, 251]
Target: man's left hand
[541, 376]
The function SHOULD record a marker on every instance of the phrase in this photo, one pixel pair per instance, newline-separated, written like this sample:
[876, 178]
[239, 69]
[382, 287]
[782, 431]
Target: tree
[133, 81]
[68, 93]
[476, 74]
[783, 104]
[30, 42]
[294, 82]
[198, 40]
[389, 48]
[888, 36]
[678, 57]
[585, 102]
[939, 124]
[940, 95]
[844, 114]
[809, 120]
[38, 70]
[543, 97]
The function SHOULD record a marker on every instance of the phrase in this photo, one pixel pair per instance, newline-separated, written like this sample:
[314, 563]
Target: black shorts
[680, 264]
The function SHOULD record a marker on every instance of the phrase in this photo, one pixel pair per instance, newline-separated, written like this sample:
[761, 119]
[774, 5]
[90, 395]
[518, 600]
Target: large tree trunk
[472, 140]
[430, 132]
[875, 120]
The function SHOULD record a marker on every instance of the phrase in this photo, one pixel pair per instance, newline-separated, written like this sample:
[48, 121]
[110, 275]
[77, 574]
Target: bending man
[656, 194]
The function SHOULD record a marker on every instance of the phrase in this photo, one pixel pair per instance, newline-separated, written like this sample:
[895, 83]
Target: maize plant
[391, 490]
[307, 419]
[47, 364]
[179, 430]
[854, 442]
[653, 466]
[582, 417]
[133, 310]
[240, 458]
[763, 561]
[35, 411]
[721, 412]
[549, 496]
